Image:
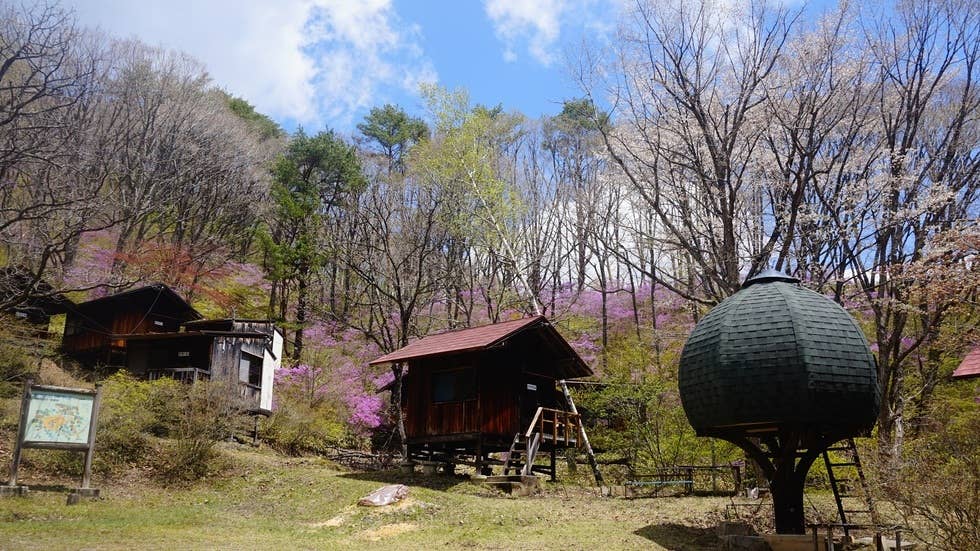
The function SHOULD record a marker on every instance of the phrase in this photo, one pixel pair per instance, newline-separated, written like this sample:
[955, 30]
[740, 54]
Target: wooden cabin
[243, 353]
[96, 331]
[473, 392]
[34, 300]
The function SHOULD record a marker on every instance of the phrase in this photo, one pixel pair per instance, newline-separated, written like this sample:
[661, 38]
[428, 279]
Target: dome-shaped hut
[782, 372]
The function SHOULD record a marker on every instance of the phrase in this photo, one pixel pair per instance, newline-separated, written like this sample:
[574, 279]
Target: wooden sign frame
[88, 446]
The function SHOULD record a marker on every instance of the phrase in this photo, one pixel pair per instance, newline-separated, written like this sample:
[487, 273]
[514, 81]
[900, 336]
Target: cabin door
[533, 395]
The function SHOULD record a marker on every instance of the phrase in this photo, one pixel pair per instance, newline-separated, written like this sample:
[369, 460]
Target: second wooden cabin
[474, 392]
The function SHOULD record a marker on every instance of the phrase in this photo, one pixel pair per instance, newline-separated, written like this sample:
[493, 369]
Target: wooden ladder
[843, 487]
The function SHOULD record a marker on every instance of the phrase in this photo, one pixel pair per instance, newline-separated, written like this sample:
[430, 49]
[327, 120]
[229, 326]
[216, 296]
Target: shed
[476, 391]
[33, 299]
[242, 353]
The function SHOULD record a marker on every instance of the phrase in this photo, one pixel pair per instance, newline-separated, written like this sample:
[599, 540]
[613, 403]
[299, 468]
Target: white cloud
[539, 24]
[312, 62]
[537, 21]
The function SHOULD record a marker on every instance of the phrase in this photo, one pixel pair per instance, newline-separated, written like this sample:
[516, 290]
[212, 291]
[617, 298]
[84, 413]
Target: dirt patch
[334, 522]
[388, 531]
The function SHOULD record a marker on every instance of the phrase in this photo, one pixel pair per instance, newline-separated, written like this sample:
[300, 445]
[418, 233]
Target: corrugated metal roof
[970, 367]
[473, 338]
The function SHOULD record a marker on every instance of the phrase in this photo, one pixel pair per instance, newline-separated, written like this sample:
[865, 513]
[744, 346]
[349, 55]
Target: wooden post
[554, 473]
[585, 439]
[554, 429]
[93, 425]
[18, 445]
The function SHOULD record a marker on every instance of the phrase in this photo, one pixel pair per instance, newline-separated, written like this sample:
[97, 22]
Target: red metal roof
[474, 338]
[970, 366]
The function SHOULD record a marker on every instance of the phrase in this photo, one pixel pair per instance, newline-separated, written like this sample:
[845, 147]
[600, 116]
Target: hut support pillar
[785, 460]
[787, 501]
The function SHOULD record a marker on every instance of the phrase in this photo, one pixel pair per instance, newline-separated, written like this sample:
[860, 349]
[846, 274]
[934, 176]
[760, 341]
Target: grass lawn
[269, 501]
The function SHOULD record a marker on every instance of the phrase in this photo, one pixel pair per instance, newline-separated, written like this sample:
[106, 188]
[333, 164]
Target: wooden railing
[182, 374]
[559, 426]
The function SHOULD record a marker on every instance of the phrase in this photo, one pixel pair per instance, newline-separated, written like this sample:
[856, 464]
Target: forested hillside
[705, 146]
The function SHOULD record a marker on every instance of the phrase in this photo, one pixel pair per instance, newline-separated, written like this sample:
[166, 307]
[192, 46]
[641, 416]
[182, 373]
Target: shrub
[297, 428]
[305, 418]
[20, 350]
[937, 488]
[131, 411]
[208, 413]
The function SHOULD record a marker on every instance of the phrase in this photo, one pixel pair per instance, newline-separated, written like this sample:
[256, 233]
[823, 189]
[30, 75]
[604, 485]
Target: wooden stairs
[549, 430]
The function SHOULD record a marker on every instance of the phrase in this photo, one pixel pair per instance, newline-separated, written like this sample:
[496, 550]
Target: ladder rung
[843, 464]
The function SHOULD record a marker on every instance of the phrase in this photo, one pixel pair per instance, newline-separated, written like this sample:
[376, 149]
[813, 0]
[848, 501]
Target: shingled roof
[774, 355]
[487, 336]
[462, 340]
[970, 367]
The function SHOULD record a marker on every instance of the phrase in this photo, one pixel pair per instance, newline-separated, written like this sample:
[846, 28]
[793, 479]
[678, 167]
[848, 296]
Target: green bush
[937, 487]
[20, 350]
[208, 413]
[296, 428]
[132, 411]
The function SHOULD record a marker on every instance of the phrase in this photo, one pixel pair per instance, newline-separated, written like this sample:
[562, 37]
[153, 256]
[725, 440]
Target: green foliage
[189, 419]
[208, 413]
[302, 429]
[937, 488]
[303, 422]
[394, 131]
[262, 125]
[638, 414]
[463, 160]
[581, 114]
[311, 179]
[132, 411]
[20, 352]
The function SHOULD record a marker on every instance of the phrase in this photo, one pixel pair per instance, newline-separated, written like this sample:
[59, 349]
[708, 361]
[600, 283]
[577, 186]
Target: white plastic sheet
[385, 495]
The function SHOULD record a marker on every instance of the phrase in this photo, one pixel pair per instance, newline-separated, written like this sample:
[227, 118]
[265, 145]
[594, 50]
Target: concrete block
[744, 543]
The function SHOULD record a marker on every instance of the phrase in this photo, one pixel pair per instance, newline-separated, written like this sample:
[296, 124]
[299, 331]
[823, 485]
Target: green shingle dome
[776, 355]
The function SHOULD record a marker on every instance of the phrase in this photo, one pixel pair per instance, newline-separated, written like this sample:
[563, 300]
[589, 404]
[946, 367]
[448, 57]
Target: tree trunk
[396, 398]
[302, 288]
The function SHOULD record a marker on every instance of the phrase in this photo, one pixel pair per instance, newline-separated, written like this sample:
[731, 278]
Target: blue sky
[325, 63]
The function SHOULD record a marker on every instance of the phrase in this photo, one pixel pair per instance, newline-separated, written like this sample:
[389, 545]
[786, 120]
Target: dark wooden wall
[93, 326]
[494, 412]
[148, 355]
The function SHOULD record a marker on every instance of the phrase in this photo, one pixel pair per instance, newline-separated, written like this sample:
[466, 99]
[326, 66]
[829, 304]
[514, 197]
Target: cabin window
[250, 369]
[72, 327]
[457, 385]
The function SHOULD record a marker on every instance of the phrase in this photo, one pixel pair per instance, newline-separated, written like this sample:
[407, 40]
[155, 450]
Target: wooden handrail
[563, 423]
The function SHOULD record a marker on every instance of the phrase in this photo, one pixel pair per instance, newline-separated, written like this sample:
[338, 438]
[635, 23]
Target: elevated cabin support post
[554, 476]
[785, 467]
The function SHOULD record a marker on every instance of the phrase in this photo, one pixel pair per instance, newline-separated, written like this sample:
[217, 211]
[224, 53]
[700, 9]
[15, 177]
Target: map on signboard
[58, 417]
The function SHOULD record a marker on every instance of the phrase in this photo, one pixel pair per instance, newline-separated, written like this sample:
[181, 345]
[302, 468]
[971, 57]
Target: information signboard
[53, 417]
[58, 417]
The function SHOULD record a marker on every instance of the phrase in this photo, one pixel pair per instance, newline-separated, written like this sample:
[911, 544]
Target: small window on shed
[250, 369]
[457, 385]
